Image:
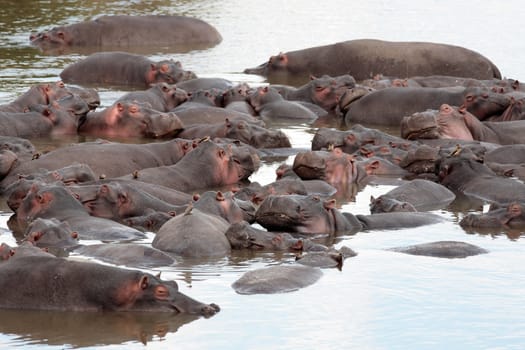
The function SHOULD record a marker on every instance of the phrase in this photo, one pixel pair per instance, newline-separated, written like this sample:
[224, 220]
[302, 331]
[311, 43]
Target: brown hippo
[399, 59]
[389, 106]
[475, 179]
[161, 96]
[194, 234]
[415, 195]
[242, 130]
[53, 201]
[119, 158]
[506, 216]
[270, 105]
[39, 94]
[130, 119]
[207, 166]
[122, 69]
[178, 32]
[45, 282]
[39, 121]
[304, 214]
[457, 123]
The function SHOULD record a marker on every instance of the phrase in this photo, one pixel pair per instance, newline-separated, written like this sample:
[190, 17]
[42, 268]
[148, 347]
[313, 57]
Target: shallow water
[380, 299]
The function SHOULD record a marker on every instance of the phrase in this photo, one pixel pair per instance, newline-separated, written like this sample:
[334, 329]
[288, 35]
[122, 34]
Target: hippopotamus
[304, 214]
[242, 235]
[486, 104]
[389, 106]
[475, 179]
[122, 69]
[45, 282]
[122, 31]
[46, 233]
[351, 140]
[119, 158]
[270, 105]
[118, 201]
[399, 59]
[6, 251]
[54, 201]
[219, 203]
[39, 94]
[457, 123]
[339, 168]
[130, 119]
[277, 279]
[246, 132]
[506, 216]
[151, 222]
[209, 83]
[397, 220]
[194, 234]
[326, 259]
[414, 195]
[207, 166]
[237, 99]
[324, 91]
[54, 236]
[202, 115]
[161, 96]
[442, 249]
[38, 121]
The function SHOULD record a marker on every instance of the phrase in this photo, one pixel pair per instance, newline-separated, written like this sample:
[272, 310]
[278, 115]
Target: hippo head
[51, 233]
[511, 215]
[145, 292]
[297, 213]
[334, 166]
[54, 38]
[420, 125]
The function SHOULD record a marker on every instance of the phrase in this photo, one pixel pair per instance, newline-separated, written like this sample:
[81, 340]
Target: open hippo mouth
[422, 125]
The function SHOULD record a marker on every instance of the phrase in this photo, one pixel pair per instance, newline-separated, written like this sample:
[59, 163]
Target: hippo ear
[372, 166]
[220, 196]
[329, 204]
[46, 112]
[144, 282]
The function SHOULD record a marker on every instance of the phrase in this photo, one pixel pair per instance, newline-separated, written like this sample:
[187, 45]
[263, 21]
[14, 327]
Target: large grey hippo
[365, 58]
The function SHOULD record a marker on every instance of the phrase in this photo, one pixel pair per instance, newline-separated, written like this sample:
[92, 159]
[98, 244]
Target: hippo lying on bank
[45, 282]
[123, 69]
[399, 59]
[184, 33]
[457, 123]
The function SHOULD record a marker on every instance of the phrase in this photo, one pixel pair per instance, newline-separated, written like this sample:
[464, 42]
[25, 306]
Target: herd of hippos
[461, 129]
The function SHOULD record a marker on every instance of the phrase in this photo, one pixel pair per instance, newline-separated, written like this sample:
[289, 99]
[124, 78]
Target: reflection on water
[380, 299]
[82, 329]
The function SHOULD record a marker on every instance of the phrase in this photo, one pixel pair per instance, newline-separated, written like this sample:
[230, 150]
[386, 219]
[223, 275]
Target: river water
[380, 299]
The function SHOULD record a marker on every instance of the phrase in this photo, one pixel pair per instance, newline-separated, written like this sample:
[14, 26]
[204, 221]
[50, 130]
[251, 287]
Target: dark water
[380, 299]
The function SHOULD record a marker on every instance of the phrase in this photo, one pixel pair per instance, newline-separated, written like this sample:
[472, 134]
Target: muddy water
[380, 299]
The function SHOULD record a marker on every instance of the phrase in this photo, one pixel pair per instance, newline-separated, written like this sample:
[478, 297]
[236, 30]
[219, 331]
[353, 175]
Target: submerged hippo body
[442, 249]
[45, 282]
[277, 279]
[123, 69]
[511, 215]
[178, 32]
[399, 59]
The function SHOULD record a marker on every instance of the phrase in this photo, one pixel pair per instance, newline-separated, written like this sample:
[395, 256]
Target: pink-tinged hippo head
[130, 119]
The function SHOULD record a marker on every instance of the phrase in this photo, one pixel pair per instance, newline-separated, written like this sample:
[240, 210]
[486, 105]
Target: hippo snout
[210, 310]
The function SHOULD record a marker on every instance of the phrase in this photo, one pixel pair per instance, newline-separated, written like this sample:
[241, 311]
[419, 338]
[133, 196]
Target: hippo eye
[469, 98]
[133, 109]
